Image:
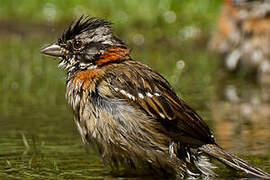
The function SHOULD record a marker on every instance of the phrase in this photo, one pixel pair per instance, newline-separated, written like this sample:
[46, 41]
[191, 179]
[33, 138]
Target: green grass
[189, 12]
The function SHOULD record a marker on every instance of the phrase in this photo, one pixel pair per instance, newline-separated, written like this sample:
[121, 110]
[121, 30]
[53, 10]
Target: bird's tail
[233, 161]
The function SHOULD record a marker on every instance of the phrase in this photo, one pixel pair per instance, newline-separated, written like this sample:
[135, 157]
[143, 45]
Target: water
[38, 139]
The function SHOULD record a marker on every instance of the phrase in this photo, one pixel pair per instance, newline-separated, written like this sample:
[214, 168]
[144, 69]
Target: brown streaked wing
[181, 122]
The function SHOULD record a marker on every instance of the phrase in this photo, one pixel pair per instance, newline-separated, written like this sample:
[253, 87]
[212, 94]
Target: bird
[129, 113]
[242, 37]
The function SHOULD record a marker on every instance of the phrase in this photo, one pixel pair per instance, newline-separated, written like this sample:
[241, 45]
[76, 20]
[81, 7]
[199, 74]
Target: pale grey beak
[53, 50]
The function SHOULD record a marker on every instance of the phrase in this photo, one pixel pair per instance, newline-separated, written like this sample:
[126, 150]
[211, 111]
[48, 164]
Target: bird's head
[83, 44]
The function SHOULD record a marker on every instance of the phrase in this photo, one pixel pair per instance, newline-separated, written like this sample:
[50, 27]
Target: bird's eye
[77, 44]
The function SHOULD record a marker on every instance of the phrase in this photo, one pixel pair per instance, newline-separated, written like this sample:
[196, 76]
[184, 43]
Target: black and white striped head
[82, 43]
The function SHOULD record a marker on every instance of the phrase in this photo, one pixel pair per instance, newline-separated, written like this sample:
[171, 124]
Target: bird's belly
[118, 132]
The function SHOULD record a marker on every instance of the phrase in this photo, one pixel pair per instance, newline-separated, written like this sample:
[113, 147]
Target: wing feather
[154, 96]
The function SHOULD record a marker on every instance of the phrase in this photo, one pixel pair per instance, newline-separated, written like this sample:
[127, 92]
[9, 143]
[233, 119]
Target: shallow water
[38, 139]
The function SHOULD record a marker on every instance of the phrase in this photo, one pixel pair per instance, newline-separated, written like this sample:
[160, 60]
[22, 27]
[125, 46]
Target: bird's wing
[140, 86]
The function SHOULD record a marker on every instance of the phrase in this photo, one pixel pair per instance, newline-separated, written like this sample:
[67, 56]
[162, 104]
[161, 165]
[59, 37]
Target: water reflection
[242, 118]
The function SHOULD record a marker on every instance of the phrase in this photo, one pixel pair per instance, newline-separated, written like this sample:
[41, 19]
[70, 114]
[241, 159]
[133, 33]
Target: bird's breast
[81, 85]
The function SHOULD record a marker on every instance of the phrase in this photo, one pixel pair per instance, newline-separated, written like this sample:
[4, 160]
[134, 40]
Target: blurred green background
[38, 139]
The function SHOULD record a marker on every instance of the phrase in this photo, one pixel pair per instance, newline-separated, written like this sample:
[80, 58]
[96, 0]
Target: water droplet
[169, 16]
[180, 64]
[189, 32]
[138, 39]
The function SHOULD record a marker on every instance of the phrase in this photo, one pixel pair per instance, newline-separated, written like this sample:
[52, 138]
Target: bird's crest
[83, 24]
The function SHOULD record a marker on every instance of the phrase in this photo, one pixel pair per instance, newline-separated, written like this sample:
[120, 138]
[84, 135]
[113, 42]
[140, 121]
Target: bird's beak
[53, 50]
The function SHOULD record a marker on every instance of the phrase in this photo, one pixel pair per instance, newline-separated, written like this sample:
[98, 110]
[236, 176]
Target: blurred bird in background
[129, 112]
[242, 38]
